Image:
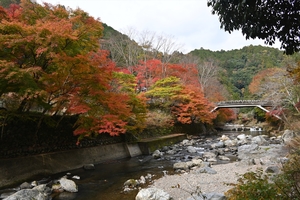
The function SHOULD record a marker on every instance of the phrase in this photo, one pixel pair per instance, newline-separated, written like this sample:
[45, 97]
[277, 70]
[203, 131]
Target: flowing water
[106, 181]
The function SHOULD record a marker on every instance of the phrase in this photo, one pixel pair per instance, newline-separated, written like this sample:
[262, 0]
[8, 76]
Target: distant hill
[241, 65]
[237, 66]
[109, 31]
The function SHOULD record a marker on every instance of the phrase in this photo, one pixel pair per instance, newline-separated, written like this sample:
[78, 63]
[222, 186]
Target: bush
[253, 186]
[158, 123]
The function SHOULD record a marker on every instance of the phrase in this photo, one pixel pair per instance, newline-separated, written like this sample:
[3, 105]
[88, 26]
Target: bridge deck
[242, 103]
[245, 103]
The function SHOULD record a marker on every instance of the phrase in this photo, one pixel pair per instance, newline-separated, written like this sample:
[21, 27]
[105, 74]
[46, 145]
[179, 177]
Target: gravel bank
[226, 173]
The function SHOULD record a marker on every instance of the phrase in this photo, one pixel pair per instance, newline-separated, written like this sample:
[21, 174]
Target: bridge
[245, 103]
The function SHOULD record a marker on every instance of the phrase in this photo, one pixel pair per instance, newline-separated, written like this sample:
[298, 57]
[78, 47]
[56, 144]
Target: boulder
[208, 155]
[171, 152]
[212, 160]
[131, 183]
[191, 149]
[245, 150]
[288, 135]
[157, 154]
[27, 194]
[25, 185]
[230, 143]
[224, 158]
[6, 194]
[224, 138]
[46, 191]
[219, 144]
[197, 162]
[242, 139]
[89, 166]
[68, 185]
[260, 140]
[187, 142]
[181, 165]
[152, 194]
[205, 169]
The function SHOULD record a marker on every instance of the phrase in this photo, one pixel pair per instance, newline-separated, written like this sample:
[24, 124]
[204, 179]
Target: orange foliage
[259, 77]
[225, 115]
[191, 106]
[59, 50]
[150, 71]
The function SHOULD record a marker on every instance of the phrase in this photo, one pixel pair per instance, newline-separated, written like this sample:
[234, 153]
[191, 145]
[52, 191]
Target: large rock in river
[27, 194]
[68, 185]
[152, 194]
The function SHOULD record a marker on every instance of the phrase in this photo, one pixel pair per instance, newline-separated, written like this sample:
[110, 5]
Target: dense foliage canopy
[52, 63]
[267, 20]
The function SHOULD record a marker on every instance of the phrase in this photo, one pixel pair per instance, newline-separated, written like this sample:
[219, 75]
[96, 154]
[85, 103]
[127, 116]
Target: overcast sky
[188, 22]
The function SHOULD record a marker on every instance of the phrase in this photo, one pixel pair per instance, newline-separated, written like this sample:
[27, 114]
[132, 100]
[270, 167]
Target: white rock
[142, 180]
[152, 194]
[224, 158]
[68, 185]
[76, 177]
[191, 149]
[180, 165]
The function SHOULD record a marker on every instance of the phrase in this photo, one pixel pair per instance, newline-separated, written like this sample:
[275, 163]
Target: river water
[106, 181]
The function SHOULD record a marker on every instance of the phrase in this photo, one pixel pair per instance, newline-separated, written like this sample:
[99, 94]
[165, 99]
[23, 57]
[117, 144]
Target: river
[106, 181]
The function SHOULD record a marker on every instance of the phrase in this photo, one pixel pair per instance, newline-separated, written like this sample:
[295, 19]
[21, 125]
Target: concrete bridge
[245, 103]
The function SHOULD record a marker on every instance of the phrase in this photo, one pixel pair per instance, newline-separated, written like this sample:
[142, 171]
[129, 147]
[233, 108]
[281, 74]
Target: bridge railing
[246, 102]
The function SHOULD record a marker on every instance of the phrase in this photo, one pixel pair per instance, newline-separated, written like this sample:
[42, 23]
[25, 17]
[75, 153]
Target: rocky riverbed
[203, 176]
[201, 165]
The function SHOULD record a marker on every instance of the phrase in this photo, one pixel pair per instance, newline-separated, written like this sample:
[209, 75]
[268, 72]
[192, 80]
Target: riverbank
[17, 170]
[181, 186]
[194, 154]
[253, 153]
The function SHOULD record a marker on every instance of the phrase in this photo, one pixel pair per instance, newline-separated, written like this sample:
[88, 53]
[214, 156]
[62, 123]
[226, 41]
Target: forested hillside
[235, 68]
[241, 65]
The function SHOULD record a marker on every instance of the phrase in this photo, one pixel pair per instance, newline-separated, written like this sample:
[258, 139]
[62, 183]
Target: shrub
[253, 186]
[158, 123]
[259, 185]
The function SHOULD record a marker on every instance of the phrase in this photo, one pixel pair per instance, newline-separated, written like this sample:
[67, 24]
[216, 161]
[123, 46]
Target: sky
[189, 23]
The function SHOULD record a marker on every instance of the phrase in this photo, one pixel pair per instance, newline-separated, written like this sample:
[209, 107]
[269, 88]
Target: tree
[273, 84]
[124, 50]
[51, 59]
[7, 3]
[267, 20]
[46, 42]
[186, 102]
[206, 70]
[192, 107]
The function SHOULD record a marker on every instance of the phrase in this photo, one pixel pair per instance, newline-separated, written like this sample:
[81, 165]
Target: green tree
[186, 102]
[267, 20]
[6, 3]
